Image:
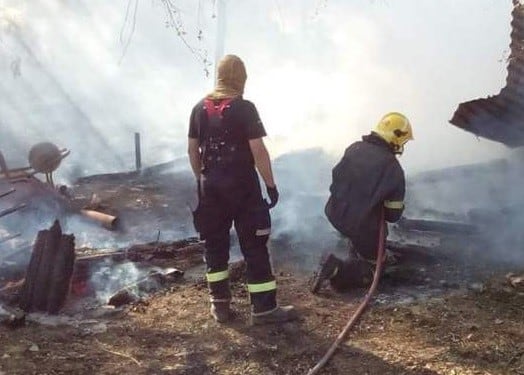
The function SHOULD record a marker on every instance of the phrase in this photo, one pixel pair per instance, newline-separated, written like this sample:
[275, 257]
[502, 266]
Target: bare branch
[174, 20]
[133, 26]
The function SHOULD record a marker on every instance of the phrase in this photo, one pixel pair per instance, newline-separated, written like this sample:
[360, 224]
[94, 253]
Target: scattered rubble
[435, 313]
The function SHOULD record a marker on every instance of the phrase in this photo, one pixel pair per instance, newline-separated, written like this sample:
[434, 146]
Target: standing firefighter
[367, 181]
[225, 146]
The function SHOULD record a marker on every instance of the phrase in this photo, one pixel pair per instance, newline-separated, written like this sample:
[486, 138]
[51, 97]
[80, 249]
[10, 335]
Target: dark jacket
[367, 178]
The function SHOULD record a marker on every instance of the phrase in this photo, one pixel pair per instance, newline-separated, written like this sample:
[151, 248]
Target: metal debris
[499, 117]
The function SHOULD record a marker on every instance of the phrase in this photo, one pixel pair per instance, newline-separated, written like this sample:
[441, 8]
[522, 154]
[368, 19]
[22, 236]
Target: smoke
[487, 195]
[300, 231]
[319, 76]
[109, 278]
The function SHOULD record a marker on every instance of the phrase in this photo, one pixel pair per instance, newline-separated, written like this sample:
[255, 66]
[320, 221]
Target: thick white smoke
[87, 75]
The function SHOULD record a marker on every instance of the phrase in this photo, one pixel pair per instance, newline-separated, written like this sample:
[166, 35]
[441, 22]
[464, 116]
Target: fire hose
[363, 305]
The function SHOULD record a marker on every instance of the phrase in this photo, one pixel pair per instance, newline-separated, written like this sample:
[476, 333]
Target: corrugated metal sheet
[501, 117]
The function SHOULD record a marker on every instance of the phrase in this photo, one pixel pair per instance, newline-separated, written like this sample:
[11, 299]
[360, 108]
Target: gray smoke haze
[320, 76]
[87, 75]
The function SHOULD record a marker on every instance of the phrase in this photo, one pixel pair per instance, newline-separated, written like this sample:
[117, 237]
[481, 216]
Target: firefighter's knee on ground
[353, 274]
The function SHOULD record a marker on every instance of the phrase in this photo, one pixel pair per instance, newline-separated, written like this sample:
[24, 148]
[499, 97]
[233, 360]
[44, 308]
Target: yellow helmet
[395, 129]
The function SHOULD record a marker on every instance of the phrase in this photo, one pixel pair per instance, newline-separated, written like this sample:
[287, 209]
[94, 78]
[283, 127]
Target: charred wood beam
[137, 253]
[153, 281]
[10, 191]
[414, 253]
[12, 209]
[444, 227]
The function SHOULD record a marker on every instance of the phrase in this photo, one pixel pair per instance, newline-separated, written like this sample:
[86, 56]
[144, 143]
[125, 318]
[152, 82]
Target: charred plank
[48, 275]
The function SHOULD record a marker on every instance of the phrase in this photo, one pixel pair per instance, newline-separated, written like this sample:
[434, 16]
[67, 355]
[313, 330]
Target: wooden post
[3, 166]
[138, 155]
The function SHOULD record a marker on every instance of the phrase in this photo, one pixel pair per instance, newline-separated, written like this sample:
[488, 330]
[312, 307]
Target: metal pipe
[108, 221]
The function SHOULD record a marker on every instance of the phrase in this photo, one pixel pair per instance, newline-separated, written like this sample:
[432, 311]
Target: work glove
[199, 189]
[272, 193]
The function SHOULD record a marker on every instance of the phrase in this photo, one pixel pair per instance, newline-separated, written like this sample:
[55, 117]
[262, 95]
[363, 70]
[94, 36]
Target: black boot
[353, 273]
[279, 314]
[221, 311]
[328, 268]
[220, 300]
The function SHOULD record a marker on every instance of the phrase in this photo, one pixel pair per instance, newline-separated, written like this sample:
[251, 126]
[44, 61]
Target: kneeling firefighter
[368, 186]
[225, 146]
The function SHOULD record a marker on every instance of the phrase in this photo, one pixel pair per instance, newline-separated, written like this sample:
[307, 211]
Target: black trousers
[235, 199]
[357, 270]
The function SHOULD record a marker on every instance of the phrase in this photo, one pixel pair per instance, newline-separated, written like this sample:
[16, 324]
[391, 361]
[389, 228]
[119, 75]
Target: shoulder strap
[217, 110]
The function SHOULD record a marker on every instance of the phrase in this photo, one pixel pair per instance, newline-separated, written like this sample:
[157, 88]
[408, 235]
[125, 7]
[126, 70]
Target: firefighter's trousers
[357, 269]
[237, 200]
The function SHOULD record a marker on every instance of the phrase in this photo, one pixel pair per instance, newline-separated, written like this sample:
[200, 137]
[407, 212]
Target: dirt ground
[463, 329]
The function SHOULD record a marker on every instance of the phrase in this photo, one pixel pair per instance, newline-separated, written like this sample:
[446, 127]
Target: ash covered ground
[446, 307]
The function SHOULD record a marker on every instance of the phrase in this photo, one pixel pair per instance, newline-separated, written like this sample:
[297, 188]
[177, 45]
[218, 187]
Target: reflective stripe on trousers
[213, 277]
[396, 205]
[262, 287]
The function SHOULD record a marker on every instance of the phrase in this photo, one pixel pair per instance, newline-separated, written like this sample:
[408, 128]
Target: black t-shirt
[241, 115]
[240, 118]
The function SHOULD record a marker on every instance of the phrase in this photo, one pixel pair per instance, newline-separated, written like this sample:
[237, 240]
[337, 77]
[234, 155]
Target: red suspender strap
[213, 109]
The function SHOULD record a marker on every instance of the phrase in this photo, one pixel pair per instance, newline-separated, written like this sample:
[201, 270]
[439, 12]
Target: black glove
[272, 193]
[199, 189]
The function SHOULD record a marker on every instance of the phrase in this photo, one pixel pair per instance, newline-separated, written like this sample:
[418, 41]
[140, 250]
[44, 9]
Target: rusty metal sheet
[501, 117]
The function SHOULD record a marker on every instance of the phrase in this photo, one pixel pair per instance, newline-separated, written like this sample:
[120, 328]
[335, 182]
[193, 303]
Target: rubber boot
[355, 273]
[328, 268]
[221, 311]
[279, 314]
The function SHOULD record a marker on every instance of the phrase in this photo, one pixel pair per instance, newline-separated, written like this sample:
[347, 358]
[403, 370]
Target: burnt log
[49, 272]
[413, 253]
[186, 251]
[150, 283]
[122, 297]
